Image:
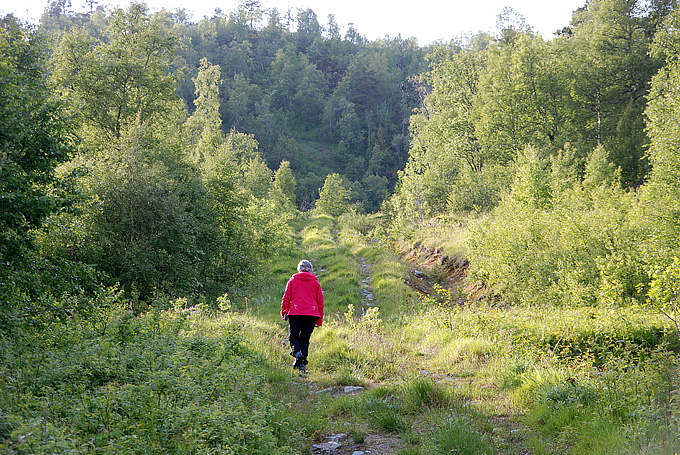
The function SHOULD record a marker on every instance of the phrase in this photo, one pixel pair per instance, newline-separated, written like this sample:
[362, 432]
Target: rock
[331, 446]
[336, 437]
[329, 389]
[350, 389]
[358, 452]
[325, 448]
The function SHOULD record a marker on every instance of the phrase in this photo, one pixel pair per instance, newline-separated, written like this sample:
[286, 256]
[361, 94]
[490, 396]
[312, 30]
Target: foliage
[446, 374]
[568, 368]
[333, 197]
[445, 142]
[522, 93]
[491, 99]
[664, 292]
[166, 382]
[659, 209]
[238, 183]
[172, 205]
[205, 123]
[477, 192]
[150, 228]
[531, 187]
[47, 290]
[603, 42]
[600, 172]
[287, 79]
[541, 142]
[284, 182]
[120, 77]
[586, 249]
[36, 136]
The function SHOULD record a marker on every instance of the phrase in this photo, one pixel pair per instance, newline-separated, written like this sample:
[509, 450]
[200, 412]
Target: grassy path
[410, 401]
[438, 374]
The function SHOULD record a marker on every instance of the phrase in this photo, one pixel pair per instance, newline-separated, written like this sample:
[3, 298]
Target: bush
[581, 251]
[479, 191]
[173, 381]
[333, 197]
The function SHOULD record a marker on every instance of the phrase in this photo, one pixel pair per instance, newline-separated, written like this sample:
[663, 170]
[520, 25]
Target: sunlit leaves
[664, 292]
[662, 194]
[532, 179]
[204, 126]
[333, 197]
[284, 182]
[122, 77]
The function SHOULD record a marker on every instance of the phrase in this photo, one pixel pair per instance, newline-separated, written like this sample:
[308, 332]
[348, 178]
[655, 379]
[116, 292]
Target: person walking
[302, 306]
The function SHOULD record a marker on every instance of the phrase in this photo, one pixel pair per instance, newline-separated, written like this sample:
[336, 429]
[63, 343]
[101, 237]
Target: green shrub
[581, 249]
[173, 381]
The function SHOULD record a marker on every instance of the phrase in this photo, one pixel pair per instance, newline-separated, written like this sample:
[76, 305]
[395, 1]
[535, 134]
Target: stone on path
[350, 389]
[326, 447]
[331, 446]
[329, 389]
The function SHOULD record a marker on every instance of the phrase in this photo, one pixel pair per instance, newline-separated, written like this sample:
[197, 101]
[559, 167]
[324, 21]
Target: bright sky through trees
[427, 20]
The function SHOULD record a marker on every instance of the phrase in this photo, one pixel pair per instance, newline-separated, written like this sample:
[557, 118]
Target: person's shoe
[299, 358]
[302, 368]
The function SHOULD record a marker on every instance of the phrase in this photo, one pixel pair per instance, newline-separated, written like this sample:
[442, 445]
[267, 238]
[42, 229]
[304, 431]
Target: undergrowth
[169, 381]
[439, 375]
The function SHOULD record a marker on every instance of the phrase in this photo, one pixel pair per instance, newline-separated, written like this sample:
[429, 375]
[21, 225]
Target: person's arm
[285, 301]
[319, 301]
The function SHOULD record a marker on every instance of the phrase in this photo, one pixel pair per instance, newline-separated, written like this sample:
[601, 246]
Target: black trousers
[300, 328]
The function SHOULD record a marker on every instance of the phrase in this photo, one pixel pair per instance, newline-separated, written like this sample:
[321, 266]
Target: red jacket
[303, 297]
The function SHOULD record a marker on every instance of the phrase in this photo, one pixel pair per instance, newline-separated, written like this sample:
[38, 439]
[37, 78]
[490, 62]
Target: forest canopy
[321, 101]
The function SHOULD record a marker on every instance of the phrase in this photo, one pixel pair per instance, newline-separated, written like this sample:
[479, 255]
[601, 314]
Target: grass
[441, 377]
[457, 435]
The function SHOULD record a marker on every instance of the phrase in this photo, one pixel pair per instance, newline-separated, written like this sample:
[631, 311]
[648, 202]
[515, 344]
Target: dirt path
[430, 267]
[367, 298]
[372, 443]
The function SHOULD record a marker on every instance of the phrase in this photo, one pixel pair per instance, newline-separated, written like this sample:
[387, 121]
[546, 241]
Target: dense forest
[324, 102]
[150, 164]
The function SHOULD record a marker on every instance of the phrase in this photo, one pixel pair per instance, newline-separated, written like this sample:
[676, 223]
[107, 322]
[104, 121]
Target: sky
[427, 20]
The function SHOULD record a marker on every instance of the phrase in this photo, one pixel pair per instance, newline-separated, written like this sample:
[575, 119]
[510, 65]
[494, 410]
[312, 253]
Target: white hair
[305, 266]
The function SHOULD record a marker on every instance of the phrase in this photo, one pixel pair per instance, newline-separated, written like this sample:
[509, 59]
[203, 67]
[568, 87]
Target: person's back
[302, 305]
[303, 295]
